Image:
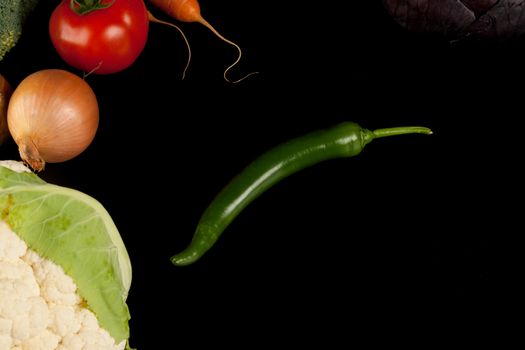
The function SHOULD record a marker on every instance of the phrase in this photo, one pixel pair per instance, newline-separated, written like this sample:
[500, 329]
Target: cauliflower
[39, 307]
[64, 270]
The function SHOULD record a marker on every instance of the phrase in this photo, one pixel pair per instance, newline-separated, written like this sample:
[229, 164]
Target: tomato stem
[82, 7]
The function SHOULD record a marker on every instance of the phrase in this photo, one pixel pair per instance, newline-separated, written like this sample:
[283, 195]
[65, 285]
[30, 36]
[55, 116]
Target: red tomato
[105, 40]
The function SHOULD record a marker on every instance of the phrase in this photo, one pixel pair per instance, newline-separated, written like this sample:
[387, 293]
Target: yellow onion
[52, 116]
[5, 94]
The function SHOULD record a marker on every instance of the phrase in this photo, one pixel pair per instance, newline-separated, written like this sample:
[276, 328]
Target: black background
[411, 237]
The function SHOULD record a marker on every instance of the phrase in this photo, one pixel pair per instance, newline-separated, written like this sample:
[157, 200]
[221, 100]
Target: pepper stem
[402, 130]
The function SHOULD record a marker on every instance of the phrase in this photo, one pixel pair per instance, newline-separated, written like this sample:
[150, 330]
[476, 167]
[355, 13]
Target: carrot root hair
[156, 20]
[225, 74]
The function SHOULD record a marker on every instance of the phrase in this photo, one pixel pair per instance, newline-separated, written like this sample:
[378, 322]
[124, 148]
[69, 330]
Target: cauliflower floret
[14, 165]
[39, 306]
[5, 326]
[16, 278]
[30, 318]
[64, 320]
[71, 342]
[45, 340]
[5, 342]
[11, 248]
[90, 333]
[55, 286]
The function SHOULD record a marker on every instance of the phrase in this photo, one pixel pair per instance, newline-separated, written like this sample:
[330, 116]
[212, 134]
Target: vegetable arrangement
[45, 232]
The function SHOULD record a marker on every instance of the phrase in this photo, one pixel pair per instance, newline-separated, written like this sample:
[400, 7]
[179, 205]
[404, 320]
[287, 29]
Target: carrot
[189, 11]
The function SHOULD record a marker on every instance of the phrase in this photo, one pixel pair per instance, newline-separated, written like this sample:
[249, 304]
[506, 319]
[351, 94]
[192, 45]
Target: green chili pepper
[344, 140]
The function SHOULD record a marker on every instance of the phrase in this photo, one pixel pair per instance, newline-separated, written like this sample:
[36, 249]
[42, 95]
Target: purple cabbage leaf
[458, 19]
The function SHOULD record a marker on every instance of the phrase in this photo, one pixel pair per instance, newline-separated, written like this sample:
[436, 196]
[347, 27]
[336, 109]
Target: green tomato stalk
[83, 7]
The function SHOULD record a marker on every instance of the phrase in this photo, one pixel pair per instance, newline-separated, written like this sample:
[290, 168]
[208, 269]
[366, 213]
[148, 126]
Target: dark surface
[413, 237]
